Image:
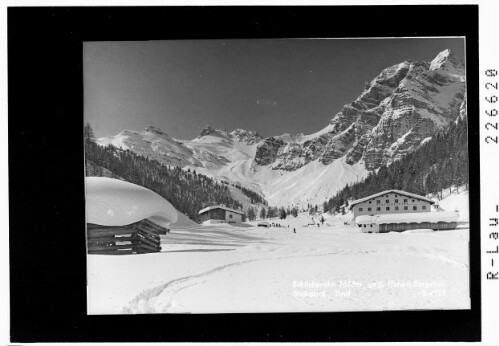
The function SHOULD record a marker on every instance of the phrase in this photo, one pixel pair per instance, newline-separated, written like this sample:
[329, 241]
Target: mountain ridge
[402, 107]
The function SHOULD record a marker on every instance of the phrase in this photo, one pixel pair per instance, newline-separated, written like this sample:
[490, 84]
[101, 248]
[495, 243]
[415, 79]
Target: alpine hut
[220, 214]
[391, 202]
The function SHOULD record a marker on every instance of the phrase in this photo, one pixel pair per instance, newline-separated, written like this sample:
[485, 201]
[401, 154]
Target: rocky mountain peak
[397, 111]
[404, 104]
[154, 129]
[249, 137]
[209, 130]
[447, 60]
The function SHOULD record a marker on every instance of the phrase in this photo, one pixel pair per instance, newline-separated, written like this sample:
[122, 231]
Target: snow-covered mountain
[402, 106]
[399, 109]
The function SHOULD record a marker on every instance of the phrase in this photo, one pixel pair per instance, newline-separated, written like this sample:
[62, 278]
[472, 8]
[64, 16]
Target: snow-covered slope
[455, 199]
[402, 107]
[233, 269]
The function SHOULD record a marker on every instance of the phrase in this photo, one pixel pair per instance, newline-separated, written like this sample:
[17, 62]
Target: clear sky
[270, 86]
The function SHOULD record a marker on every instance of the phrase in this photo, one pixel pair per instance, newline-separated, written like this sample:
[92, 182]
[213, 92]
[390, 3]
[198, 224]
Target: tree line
[270, 212]
[187, 191]
[254, 197]
[440, 163]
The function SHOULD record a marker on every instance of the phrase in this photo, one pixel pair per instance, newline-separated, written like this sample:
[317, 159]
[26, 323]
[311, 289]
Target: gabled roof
[220, 207]
[400, 192]
[442, 216]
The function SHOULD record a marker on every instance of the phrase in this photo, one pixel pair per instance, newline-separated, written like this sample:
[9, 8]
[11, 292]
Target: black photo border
[46, 186]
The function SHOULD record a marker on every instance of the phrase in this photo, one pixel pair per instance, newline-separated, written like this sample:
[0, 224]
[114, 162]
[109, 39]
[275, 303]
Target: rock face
[208, 130]
[154, 130]
[248, 137]
[404, 105]
[267, 151]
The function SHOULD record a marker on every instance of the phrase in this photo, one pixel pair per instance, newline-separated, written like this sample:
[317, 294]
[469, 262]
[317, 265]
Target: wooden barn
[220, 214]
[391, 202]
[438, 221]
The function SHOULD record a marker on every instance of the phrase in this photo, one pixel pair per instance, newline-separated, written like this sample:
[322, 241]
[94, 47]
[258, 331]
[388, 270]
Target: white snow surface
[113, 202]
[312, 183]
[458, 201]
[183, 221]
[224, 268]
[225, 158]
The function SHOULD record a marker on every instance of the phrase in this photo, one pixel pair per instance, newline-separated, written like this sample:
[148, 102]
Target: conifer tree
[282, 213]
[262, 213]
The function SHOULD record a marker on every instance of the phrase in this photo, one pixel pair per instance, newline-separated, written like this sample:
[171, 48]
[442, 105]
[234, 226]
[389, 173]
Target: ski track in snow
[160, 298]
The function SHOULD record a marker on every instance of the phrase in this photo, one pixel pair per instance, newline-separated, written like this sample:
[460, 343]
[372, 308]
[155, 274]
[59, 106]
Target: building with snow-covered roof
[391, 202]
[220, 214]
[437, 221]
[125, 218]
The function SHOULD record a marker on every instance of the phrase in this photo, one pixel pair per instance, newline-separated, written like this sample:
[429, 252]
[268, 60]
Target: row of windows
[415, 207]
[378, 201]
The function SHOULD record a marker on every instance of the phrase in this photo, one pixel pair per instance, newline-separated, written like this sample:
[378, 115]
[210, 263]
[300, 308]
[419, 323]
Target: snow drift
[112, 202]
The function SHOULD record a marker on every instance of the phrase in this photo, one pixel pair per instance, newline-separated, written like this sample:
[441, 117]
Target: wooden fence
[137, 238]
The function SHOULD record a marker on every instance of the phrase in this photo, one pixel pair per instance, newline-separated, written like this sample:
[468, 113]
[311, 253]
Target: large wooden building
[391, 202]
[220, 214]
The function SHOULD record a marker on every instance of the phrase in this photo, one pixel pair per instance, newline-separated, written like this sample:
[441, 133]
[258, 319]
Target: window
[370, 202]
[424, 207]
[230, 216]
[405, 200]
[396, 195]
[396, 201]
[378, 209]
[405, 208]
[387, 201]
[360, 209]
[371, 225]
[387, 208]
[369, 209]
[364, 225]
[378, 201]
[412, 201]
[396, 208]
[414, 208]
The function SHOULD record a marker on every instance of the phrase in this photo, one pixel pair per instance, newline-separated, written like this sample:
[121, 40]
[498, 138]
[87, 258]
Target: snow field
[458, 201]
[223, 268]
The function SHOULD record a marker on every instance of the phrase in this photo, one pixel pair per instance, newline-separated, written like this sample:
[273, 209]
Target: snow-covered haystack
[112, 202]
[124, 218]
